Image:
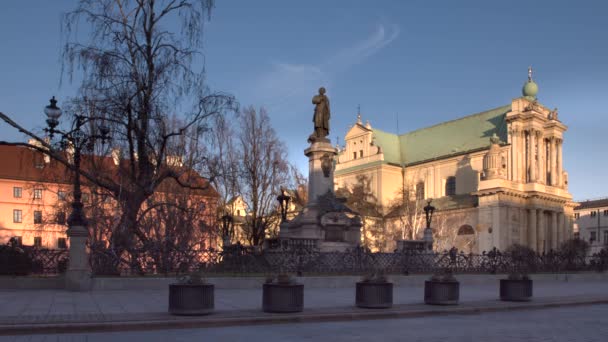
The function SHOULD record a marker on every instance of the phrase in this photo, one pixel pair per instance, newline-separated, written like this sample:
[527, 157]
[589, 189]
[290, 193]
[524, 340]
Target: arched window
[420, 191]
[450, 186]
[466, 230]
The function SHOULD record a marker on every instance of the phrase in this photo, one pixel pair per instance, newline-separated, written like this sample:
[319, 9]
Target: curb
[308, 316]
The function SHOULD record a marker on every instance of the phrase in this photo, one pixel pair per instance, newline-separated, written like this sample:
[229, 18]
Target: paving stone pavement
[36, 306]
[584, 323]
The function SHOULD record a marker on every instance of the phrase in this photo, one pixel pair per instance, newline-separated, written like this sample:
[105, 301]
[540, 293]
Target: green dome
[530, 89]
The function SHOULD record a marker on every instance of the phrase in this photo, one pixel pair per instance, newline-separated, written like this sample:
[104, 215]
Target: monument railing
[17, 260]
[305, 260]
[302, 259]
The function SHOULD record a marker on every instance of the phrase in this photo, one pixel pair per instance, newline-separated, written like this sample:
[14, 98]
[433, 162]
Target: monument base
[327, 222]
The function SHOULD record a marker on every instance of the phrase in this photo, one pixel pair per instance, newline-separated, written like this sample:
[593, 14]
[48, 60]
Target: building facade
[591, 223]
[36, 195]
[496, 177]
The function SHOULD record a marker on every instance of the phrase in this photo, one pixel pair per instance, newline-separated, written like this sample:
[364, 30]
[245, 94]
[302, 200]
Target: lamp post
[428, 232]
[226, 221]
[78, 272]
[284, 202]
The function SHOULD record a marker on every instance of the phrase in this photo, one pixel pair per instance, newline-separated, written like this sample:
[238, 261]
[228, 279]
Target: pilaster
[532, 229]
[554, 230]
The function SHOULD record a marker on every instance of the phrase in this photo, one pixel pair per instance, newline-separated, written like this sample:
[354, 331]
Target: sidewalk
[39, 311]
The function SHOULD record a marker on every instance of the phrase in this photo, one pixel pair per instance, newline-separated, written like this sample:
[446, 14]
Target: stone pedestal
[325, 219]
[78, 274]
[320, 168]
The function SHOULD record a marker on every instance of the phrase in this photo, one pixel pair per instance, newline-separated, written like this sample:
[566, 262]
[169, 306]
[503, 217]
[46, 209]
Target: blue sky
[421, 61]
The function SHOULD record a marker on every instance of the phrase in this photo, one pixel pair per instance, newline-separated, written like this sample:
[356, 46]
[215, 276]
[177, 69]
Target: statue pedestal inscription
[325, 218]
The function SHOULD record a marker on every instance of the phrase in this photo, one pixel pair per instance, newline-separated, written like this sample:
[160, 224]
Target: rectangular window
[61, 244]
[37, 193]
[61, 195]
[450, 186]
[37, 241]
[354, 155]
[17, 216]
[61, 217]
[17, 240]
[37, 216]
[577, 215]
[420, 191]
[593, 213]
[605, 212]
[593, 237]
[17, 191]
[360, 153]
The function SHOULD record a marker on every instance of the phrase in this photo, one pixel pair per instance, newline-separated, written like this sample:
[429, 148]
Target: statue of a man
[321, 117]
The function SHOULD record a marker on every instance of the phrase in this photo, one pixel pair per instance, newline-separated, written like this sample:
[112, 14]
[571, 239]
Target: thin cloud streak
[287, 81]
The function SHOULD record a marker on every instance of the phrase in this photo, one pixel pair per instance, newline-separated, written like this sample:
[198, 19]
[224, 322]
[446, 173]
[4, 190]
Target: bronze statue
[321, 117]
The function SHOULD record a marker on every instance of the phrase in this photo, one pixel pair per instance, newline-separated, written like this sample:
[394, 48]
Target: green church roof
[448, 138]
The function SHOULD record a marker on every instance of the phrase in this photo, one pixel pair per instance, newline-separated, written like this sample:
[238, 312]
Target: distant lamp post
[428, 232]
[226, 223]
[284, 202]
[78, 273]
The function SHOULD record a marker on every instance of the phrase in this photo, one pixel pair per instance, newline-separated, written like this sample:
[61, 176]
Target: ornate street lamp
[78, 269]
[226, 222]
[284, 202]
[428, 232]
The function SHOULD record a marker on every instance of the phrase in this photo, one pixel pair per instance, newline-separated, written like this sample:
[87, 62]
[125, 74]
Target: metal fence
[302, 260]
[310, 261]
[23, 260]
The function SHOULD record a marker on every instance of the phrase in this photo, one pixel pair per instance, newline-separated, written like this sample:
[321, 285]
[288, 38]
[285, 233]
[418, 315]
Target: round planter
[374, 295]
[516, 290]
[441, 292]
[283, 297]
[191, 299]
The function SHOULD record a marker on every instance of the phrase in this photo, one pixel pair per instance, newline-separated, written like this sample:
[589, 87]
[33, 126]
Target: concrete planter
[191, 299]
[441, 292]
[519, 290]
[374, 295]
[283, 297]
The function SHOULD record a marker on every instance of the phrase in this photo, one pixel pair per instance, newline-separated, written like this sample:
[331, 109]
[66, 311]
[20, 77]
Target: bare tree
[225, 165]
[408, 206]
[138, 78]
[264, 169]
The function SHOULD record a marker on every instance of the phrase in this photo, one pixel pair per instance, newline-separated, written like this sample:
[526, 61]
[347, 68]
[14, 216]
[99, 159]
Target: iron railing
[24, 260]
[303, 259]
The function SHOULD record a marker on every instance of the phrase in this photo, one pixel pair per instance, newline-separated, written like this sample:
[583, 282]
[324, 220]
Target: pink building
[35, 193]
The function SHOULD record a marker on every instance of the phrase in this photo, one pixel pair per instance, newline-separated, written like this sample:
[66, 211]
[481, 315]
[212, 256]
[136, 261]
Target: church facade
[495, 177]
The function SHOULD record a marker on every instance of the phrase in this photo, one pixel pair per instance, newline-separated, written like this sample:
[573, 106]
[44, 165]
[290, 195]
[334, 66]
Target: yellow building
[496, 177]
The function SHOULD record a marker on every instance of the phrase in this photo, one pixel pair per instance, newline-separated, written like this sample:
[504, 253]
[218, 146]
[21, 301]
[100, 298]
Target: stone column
[540, 157]
[541, 242]
[553, 157]
[515, 154]
[78, 274]
[532, 155]
[523, 229]
[528, 153]
[554, 230]
[561, 228]
[512, 135]
[532, 229]
[521, 152]
[559, 166]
